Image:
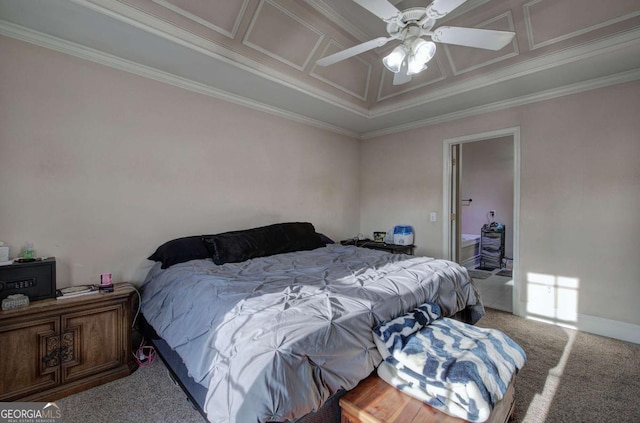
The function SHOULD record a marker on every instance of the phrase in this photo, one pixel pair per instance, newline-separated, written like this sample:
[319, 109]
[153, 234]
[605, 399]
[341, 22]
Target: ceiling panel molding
[144, 38]
[227, 32]
[520, 69]
[507, 53]
[328, 12]
[345, 75]
[462, 10]
[387, 90]
[73, 49]
[263, 23]
[531, 23]
[139, 19]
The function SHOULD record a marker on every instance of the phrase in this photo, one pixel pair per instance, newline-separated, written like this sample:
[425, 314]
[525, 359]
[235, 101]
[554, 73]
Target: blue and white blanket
[459, 369]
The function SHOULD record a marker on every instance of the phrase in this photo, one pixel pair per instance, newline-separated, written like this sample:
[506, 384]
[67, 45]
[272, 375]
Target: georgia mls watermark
[30, 412]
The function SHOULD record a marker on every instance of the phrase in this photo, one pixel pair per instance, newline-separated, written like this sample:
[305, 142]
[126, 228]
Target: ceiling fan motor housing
[414, 17]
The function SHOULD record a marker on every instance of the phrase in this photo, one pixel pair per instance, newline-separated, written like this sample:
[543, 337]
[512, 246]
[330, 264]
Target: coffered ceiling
[262, 53]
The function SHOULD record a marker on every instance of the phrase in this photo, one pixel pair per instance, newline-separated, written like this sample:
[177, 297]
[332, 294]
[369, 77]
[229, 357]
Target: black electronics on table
[35, 279]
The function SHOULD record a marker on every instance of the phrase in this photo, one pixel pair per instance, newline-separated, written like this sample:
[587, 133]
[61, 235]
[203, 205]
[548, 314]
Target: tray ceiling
[262, 53]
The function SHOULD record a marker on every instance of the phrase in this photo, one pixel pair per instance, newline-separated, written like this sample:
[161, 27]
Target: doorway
[481, 186]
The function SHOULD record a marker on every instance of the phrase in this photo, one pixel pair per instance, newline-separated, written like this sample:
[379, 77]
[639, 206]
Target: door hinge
[453, 161]
[453, 217]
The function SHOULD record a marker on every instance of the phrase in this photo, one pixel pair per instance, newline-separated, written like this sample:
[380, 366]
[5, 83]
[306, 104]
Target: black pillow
[238, 246]
[180, 250]
[325, 239]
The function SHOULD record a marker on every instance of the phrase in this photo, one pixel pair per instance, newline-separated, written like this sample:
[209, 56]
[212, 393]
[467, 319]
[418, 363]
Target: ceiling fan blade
[473, 37]
[441, 8]
[401, 77]
[381, 8]
[353, 51]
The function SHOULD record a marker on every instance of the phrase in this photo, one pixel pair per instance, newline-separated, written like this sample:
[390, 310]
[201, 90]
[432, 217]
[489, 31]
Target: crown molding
[141, 20]
[360, 117]
[138, 19]
[53, 43]
[518, 70]
[180, 11]
[576, 88]
[63, 46]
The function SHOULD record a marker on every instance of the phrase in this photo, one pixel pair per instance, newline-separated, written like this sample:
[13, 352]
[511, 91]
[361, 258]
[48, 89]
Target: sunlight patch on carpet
[541, 404]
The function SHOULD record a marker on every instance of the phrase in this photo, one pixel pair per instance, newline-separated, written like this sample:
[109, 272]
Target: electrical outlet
[433, 216]
[492, 213]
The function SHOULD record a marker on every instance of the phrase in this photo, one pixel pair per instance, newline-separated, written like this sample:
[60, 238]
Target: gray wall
[98, 167]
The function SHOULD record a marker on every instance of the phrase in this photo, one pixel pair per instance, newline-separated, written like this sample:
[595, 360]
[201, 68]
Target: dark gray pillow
[325, 239]
[180, 250]
[238, 246]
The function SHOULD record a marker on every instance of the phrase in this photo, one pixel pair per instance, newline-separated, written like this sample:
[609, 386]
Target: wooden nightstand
[54, 348]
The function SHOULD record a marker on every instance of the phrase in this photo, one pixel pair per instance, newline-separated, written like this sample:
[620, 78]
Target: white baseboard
[611, 328]
[597, 325]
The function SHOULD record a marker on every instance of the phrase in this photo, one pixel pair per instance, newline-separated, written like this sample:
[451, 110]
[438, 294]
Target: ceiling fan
[409, 27]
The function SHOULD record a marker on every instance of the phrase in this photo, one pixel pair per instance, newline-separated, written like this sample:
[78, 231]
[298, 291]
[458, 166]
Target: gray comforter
[272, 338]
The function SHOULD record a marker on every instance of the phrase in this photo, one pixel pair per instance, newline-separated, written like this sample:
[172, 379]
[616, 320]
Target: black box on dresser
[35, 279]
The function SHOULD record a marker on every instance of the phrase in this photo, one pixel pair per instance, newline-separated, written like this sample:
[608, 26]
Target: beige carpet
[569, 377]
[147, 395]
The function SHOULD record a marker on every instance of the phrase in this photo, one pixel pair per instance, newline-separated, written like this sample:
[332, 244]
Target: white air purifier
[403, 235]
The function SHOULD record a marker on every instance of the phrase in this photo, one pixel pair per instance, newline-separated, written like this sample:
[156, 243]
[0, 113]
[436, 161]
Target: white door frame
[446, 199]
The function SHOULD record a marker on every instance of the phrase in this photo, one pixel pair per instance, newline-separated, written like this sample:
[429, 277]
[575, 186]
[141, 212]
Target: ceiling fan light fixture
[415, 66]
[421, 52]
[393, 61]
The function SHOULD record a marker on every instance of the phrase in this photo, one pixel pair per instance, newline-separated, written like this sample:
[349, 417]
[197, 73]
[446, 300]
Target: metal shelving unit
[492, 246]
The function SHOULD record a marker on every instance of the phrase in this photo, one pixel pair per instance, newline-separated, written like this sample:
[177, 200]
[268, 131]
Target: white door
[454, 231]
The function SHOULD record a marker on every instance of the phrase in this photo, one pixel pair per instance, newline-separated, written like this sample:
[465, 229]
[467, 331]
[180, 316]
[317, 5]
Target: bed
[274, 324]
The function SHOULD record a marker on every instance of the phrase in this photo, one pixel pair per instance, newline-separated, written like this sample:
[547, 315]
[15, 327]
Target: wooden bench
[375, 401]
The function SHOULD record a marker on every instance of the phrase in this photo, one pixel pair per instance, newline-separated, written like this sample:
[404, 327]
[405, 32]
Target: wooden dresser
[54, 348]
[375, 401]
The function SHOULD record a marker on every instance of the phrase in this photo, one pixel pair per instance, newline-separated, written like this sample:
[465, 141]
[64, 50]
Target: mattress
[273, 338]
